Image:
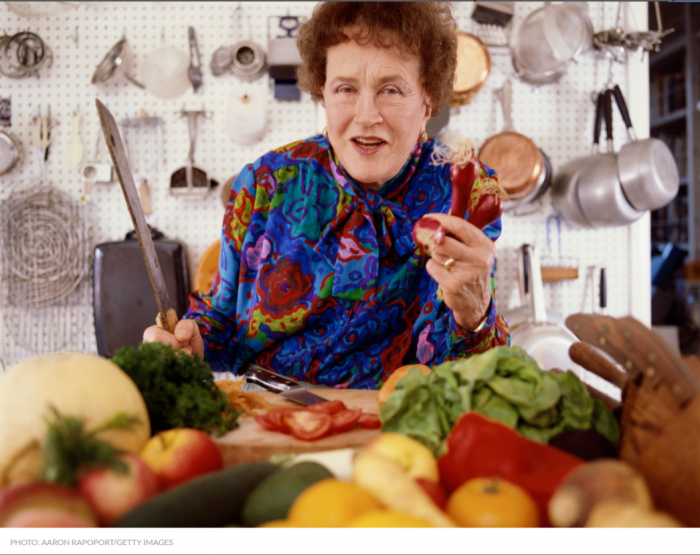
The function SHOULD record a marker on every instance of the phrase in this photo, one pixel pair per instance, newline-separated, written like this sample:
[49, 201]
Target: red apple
[41, 504]
[181, 454]
[112, 495]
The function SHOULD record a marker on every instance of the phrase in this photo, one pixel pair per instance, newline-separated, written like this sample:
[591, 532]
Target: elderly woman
[319, 277]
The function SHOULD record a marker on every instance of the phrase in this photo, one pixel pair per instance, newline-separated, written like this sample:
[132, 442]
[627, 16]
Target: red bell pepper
[479, 447]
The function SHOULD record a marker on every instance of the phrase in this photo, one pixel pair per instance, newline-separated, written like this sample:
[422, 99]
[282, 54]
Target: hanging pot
[647, 169]
[599, 191]
[516, 159]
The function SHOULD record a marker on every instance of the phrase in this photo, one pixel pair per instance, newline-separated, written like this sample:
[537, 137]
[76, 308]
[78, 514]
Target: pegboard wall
[558, 117]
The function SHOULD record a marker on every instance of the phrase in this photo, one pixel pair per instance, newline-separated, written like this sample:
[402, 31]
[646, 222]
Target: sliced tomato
[277, 418]
[329, 407]
[265, 422]
[345, 419]
[369, 421]
[308, 425]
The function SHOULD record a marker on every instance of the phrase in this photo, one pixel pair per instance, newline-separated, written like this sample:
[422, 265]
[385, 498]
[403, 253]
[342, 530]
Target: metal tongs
[288, 388]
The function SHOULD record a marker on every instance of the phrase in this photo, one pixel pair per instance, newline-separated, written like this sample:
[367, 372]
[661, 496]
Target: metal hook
[75, 38]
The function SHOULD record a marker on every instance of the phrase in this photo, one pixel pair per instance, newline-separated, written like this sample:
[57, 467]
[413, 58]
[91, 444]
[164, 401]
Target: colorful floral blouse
[321, 281]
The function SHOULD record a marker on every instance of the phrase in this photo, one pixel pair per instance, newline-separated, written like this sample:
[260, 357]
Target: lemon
[387, 519]
[331, 503]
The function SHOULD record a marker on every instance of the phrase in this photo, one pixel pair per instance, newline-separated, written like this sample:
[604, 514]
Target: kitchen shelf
[673, 117]
[668, 49]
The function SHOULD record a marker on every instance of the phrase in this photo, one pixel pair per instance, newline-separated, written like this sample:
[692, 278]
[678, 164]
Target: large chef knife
[282, 385]
[167, 318]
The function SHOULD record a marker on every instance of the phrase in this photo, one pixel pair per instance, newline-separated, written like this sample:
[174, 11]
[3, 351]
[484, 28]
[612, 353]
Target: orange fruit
[384, 518]
[388, 388]
[282, 523]
[492, 503]
[330, 503]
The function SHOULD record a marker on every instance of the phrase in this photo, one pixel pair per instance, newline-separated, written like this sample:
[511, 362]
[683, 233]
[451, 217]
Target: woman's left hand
[466, 286]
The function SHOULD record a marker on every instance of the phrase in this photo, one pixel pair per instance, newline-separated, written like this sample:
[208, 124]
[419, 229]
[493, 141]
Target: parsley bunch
[179, 389]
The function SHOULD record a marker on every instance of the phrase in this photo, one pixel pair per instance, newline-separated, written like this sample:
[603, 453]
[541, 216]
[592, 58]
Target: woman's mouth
[368, 145]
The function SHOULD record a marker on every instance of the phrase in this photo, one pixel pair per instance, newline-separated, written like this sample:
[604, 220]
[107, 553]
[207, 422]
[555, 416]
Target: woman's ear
[428, 109]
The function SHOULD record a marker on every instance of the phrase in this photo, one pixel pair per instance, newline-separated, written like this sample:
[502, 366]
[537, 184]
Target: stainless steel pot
[599, 191]
[647, 169]
[545, 341]
[565, 182]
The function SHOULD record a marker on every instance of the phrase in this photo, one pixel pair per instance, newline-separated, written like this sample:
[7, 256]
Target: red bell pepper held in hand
[484, 202]
[479, 447]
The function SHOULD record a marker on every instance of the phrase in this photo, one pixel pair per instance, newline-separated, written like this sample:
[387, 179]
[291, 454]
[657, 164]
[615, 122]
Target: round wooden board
[251, 442]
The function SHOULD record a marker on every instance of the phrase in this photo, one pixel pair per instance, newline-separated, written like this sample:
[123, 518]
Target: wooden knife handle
[588, 357]
[170, 320]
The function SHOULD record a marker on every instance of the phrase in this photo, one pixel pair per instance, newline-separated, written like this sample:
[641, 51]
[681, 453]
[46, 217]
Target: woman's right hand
[186, 337]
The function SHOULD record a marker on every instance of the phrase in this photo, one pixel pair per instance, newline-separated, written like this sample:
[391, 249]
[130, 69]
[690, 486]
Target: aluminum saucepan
[565, 182]
[647, 170]
[598, 189]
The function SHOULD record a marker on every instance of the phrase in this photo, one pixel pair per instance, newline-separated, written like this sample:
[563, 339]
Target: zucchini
[213, 500]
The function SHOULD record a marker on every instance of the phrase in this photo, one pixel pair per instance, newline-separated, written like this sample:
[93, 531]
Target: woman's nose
[367, 110]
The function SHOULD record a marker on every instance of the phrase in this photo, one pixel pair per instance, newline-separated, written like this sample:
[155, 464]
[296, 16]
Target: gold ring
[449, 264]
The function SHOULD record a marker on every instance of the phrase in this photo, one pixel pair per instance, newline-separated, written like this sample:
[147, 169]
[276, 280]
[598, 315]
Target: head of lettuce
[504, 384]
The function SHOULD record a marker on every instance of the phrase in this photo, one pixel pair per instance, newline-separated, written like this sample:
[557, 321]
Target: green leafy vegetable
[68, 448]
[179, 389]
[504, 384]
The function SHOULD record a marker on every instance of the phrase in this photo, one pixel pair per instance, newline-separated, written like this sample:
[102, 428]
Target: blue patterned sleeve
[217, 312]
[443, 339]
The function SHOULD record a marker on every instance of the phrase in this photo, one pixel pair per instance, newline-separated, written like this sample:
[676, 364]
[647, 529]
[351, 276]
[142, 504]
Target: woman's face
[376, 108]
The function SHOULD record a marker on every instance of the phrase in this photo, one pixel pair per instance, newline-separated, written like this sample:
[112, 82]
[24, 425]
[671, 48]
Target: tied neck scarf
[371, 226]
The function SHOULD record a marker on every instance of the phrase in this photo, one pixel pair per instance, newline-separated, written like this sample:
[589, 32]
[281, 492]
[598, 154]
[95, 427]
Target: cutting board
[251, 442]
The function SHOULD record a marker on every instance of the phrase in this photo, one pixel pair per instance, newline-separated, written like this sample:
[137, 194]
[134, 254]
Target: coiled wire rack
[47, 239]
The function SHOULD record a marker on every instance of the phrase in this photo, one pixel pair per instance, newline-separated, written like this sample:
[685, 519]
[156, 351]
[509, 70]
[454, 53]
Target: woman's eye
[345, 89]
[391, 91]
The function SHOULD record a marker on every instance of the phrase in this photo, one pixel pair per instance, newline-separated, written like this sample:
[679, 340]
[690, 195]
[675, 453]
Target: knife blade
[282, 385]
[167, 318]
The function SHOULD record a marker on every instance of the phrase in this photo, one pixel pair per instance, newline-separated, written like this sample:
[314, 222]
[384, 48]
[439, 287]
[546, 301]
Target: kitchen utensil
[251, 442]
[556, 267]
[165, 72]
[516, 159]
[247, 114]
[207, 267]
[599, 191]
[166, 315]
[195, 70]
[592, 360]
[647, 170]
[124, 304]
[545, 341]
[41, 137]
[191, 181]
[245, 59]
[75, 146]
[548, 40]
[47, 242]
[23, 54]
[283, 57]
[473, 68]
[492, 22]
[565, 183]
[282, 385]
[118, 61]
[11, 151]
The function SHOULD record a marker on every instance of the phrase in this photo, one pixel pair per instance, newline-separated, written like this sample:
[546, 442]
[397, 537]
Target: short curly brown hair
[423, 29]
